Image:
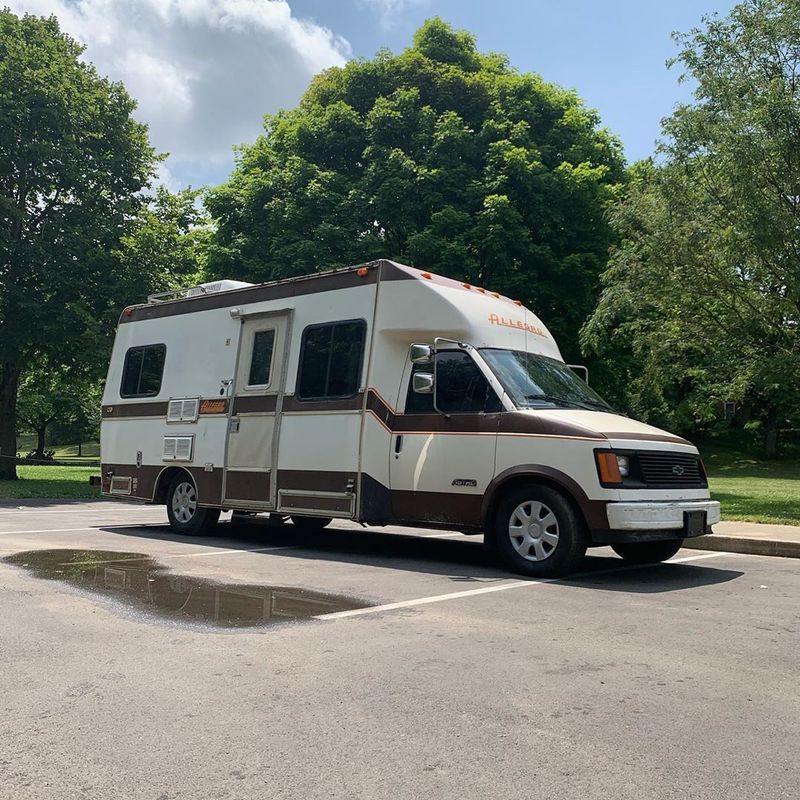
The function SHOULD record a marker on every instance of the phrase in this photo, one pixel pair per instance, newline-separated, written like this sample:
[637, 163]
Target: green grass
[90, 451]
[751, 489]
[45, 482]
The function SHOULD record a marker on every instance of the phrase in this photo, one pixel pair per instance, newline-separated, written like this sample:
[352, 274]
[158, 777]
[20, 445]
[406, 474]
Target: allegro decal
[213, 406]
[496, 319]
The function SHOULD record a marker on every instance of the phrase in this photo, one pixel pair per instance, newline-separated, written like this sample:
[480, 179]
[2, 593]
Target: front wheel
[646, 552]
[538, 532]
[184, 513]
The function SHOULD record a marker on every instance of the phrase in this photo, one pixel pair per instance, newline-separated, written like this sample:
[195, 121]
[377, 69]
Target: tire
[559, 538]
[310, 524]
[647, 552]
[185, 515]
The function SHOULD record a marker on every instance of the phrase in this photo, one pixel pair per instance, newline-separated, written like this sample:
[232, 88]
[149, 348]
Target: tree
[50, 395]
[704, 288]
[440, 156]
[72, 165]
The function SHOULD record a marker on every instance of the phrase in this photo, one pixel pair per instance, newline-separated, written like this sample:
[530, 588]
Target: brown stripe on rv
[279, 290]
[152, 408]
[250, 404]
[311, 480]
[209, 484]
[293, 403]
[647, 437]
[247, 485]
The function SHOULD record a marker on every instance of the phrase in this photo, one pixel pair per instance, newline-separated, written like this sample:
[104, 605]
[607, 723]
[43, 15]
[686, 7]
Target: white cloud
[390, 11]
[204, 72]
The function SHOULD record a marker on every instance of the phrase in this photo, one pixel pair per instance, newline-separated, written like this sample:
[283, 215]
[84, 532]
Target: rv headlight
[624, 464]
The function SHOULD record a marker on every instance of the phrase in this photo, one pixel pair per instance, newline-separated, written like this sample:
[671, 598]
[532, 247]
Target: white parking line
[422, 601]
[86, 528]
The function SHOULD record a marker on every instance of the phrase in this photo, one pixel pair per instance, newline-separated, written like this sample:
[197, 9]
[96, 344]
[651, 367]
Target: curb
[741, 544]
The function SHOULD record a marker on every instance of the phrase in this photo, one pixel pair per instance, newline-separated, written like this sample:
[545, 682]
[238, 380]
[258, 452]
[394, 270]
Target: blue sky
[613, 52]
[204, 72]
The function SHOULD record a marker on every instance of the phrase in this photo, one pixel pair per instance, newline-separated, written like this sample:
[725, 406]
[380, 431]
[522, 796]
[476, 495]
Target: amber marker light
[518, 302]
[427, 275]
[608, 467]
[467, 285]
[363, 272]
[482, 291]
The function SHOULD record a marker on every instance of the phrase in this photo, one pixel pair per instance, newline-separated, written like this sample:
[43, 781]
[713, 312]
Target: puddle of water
[145, 585]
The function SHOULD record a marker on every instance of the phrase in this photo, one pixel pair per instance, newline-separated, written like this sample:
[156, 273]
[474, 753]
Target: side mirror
[420, 354]
[422, 383]
[580, 370]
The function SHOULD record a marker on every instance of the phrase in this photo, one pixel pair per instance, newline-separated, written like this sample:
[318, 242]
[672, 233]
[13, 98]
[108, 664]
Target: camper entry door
[252, 445]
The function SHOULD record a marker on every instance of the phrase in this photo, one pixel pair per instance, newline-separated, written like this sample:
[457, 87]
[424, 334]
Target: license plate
[694, 523]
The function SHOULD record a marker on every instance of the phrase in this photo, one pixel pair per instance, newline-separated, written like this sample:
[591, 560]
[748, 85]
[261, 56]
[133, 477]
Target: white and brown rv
[385, 394]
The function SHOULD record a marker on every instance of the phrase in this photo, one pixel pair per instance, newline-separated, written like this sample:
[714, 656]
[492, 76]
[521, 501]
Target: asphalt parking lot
[402, 665]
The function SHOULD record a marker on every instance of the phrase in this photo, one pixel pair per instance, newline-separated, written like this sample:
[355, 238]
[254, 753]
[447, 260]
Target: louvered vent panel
[189, 409]
[183, 448]
[174, 410]
[184, 409]
[169, 448]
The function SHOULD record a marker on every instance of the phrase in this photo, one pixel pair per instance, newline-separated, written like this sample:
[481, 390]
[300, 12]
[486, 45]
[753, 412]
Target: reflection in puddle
[145, 585]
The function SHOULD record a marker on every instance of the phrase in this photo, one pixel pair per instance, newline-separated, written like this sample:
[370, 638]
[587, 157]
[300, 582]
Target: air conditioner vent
[183, 409]
[178, 448]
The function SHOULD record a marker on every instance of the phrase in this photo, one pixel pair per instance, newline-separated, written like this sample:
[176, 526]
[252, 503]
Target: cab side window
[461, 387]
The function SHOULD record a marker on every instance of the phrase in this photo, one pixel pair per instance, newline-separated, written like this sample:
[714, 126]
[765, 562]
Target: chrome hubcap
[533, 530]
[184, 502]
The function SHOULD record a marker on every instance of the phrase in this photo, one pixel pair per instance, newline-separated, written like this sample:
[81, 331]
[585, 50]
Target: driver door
[442, 463]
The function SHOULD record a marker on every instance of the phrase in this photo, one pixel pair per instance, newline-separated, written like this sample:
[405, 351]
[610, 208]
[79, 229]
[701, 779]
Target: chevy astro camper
[385, 394]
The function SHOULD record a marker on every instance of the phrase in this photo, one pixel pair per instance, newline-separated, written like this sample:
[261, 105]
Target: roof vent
[214, 287]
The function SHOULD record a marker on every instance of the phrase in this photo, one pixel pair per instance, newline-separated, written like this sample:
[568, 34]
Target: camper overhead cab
[385, 394]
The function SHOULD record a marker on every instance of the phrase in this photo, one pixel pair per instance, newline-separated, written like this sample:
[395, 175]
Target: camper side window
[462, 387]
[330, 360]
[143, 369]
[261, 359]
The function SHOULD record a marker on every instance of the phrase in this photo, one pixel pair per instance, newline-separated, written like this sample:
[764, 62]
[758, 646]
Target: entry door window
[261, 358]
[461, 387]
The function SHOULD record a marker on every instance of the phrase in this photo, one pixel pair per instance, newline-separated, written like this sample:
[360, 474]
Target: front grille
[671, 470]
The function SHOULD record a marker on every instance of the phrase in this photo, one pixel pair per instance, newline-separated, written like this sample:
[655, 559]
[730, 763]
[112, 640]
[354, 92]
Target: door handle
[398, 445]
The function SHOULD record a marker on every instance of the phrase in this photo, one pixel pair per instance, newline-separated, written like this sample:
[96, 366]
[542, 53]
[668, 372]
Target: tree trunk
[79, 449]
[9, 381]
[41, 430]
[771, 434]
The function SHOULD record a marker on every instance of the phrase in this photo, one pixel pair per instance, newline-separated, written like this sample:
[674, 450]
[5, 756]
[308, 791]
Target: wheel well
[165, 480]
[516, 481]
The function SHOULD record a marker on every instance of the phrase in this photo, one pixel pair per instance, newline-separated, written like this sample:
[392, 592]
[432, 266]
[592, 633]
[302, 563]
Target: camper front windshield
[534, 381]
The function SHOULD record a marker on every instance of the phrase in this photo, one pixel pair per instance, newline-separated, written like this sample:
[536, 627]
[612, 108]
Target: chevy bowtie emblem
[677, 470]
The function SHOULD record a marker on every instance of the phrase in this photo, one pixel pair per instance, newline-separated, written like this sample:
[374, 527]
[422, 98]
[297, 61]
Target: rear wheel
[184, 513]
[646, 552]
[310, 524]
[537, 532]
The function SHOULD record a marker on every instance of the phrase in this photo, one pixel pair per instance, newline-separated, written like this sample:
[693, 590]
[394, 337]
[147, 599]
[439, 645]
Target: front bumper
[657, 516]
[647, 521]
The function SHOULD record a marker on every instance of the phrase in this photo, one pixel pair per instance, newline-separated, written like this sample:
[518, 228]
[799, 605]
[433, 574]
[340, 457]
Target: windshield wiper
[551, 398]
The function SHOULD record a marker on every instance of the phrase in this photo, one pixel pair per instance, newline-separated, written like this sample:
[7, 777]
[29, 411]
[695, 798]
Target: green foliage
[165, 246]
[440, 156]
[72, 165]
[703, 292]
